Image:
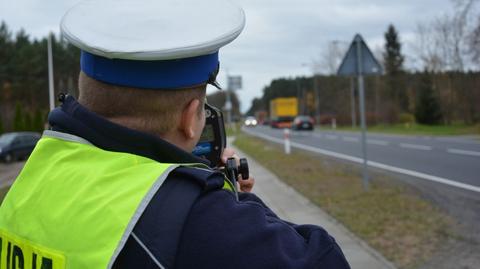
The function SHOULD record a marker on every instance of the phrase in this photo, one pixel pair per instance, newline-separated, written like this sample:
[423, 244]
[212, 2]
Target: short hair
[153, 111]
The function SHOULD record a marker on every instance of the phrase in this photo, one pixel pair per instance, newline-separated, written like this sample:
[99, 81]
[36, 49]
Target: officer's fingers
[227, 153]
[246, 185]
[230, 153]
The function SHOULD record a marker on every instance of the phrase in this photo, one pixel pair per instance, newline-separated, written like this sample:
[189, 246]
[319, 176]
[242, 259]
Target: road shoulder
[292, 206]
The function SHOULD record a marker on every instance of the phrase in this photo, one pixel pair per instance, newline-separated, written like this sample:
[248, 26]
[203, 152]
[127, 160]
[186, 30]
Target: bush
[407, 119]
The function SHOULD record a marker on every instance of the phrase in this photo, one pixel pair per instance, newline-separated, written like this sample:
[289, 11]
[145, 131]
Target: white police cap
[156, 44]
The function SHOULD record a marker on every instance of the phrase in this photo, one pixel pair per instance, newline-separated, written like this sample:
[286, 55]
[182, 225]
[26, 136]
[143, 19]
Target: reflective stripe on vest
[74, 205]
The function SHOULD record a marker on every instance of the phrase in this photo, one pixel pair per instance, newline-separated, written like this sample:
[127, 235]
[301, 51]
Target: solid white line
[331, 137]
[350, 139]
[464, 152]
[414, 146]
[377, 142]
[374, 164]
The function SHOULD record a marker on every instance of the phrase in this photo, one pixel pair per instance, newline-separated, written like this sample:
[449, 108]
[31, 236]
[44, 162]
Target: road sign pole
[352, 100]
[359, 61]
[362, 114]
[51, 92]
[317, 98]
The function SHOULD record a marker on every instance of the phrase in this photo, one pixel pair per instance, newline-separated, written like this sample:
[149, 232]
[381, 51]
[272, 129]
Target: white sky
[281, 37]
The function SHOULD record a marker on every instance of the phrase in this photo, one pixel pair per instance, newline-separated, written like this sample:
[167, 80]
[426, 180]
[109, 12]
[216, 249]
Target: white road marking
[414, 146]
[331, 137]
[464, 152]
[377, 142]
[373, 164]
[350, 139]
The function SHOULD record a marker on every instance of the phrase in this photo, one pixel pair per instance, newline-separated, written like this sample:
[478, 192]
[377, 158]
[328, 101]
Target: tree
[28, 124]
[38, 121]
[18, 122]
[427, 110]
[393, 63]
[219, 98]
[393, 58]
[332, 56]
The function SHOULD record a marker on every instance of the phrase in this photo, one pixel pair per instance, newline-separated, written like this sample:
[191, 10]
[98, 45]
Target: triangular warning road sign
[359, 51]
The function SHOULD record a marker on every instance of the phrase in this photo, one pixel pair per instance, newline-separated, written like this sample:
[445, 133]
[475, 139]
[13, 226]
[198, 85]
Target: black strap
[161, 225]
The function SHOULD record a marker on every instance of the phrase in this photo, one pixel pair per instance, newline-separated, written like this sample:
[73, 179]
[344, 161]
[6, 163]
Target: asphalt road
[455, 159]
[444, 170]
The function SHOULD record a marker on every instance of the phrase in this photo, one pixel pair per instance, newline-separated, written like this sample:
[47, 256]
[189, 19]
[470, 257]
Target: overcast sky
[281, 37]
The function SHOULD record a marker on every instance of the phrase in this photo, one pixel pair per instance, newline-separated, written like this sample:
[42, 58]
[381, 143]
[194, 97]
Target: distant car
[250, 122]
[302, 123]
[17, 146]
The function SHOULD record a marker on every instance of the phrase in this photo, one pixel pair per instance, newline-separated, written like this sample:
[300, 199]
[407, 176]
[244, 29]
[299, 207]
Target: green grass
[390, 217]
[419, 129]
[233, 129]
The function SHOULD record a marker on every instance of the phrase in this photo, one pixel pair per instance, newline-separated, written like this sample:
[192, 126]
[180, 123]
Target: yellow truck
[282, 111]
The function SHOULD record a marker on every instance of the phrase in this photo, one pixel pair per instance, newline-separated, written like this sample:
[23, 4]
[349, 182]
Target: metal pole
[362, 114]
[228, 107]
[51, 91]
[299, 97]
[352, 99]
[317, 98]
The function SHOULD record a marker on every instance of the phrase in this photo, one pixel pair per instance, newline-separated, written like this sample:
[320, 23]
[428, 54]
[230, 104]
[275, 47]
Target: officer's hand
[244, 185]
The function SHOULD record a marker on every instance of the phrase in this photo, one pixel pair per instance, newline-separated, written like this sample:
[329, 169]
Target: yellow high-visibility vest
[74, 205]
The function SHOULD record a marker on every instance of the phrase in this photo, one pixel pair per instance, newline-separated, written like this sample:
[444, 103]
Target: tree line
[24, 78]
[442, 88]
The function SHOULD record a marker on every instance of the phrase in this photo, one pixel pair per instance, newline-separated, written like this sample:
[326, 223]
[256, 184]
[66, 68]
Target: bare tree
[447, 42]
[474, 44]
[331, 58]
[467, 14]
[427, 48]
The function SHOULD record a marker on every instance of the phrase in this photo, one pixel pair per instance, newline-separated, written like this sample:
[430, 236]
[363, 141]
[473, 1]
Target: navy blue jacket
[218, 232]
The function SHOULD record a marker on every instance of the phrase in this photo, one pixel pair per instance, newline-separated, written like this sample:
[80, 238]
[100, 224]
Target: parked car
[17, 146]
[303, 123]
[250, 122]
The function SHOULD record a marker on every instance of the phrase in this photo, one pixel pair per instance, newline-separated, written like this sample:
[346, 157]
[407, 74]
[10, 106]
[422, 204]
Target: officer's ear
[189, 119]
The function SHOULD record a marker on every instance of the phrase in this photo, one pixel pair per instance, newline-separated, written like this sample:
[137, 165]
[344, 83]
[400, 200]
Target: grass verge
[419, 129]
[233, 129]
[390, 217]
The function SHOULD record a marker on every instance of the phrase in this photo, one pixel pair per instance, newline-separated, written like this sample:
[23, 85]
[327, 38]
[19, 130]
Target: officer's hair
[152, 111]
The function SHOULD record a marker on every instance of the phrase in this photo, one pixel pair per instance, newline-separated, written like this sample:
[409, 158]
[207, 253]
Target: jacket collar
[73, 118]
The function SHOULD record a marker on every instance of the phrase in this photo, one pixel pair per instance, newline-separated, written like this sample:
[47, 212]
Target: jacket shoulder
[221, 232]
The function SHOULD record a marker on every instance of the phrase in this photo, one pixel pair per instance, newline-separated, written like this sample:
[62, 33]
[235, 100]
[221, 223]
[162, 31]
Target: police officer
[113, 184]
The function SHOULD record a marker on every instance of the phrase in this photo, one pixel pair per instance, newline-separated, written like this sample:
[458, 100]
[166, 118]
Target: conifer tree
[427, 110]
[393, 62]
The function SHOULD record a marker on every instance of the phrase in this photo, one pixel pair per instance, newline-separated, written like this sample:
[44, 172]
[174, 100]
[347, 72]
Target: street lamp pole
[51, 91]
